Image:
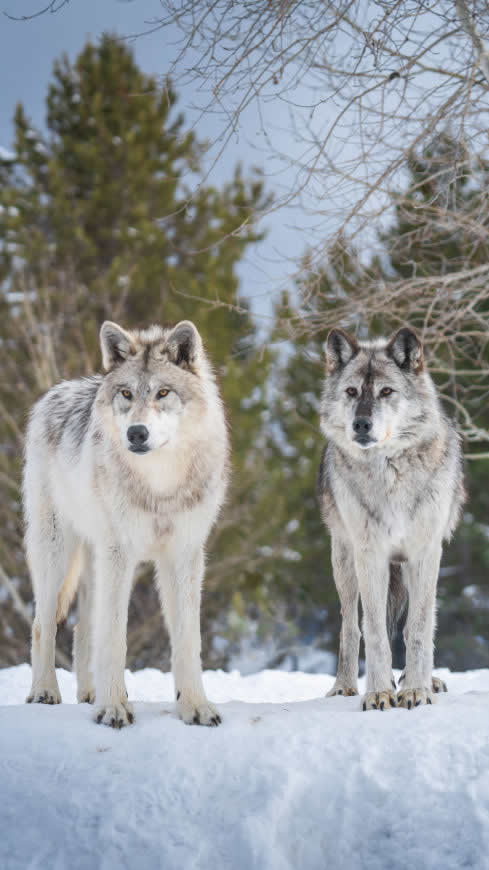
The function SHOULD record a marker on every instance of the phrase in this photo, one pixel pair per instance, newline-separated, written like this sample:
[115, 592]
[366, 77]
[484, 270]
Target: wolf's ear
[116, 344]
[340, 349]
[184, 344]
[406, 350]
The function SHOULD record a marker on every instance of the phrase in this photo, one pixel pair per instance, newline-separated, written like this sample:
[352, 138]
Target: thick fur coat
[391, 491]
[122, 468]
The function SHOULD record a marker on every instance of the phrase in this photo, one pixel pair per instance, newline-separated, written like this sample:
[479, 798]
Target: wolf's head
[377, 394]
[156, 378]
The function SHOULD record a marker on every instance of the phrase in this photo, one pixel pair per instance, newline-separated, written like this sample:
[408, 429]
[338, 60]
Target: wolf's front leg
[113, 579]
[373, 579]
[347, 585]
[180, 576]
[422, 576]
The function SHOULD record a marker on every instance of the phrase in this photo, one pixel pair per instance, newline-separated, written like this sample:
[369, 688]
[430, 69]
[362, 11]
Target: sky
[28, 50]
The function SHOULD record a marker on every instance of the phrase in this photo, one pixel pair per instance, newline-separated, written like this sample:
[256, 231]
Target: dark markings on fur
[322, 478]
[69, 407]
[54, 527]
[365, 403]
[146, 355]
[397, 599]
[184, 353]
[178, 696]
[342, 347]
[406, 351]
[80, 418]
[420, 418]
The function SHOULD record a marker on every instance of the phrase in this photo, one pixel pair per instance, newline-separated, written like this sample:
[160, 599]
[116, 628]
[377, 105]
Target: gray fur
[391, 490]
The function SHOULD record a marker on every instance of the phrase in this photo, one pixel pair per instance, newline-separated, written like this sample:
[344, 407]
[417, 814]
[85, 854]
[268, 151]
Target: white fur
[79, 499]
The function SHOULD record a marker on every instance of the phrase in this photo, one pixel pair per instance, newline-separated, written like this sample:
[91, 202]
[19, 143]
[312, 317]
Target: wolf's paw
[379, 700]
[116, 715]
[44, 696]
[438, 685]
[341, 690]
[197, 713]
[410, 698]
[86, 695]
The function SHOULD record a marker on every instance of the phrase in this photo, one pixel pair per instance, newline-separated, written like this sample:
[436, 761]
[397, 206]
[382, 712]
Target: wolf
[120, 468]
[391, 489]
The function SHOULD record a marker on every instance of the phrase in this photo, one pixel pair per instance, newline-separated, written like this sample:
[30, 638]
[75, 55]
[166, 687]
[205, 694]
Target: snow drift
[290, 780]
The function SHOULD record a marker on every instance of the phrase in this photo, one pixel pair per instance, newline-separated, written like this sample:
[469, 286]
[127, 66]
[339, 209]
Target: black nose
[137, 435]
[362, 425]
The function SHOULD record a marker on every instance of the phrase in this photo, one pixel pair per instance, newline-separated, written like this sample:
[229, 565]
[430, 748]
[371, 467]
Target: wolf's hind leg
[179, 576]
[422, 576]
[82, 639]
[347, 586]
[49, 548]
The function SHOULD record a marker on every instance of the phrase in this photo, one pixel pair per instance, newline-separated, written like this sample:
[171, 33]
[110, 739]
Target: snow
[290, 780]
[6, 155]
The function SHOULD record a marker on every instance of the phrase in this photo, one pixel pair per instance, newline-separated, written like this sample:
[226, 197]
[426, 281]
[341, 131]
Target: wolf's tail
[396, 599]
[70, 584]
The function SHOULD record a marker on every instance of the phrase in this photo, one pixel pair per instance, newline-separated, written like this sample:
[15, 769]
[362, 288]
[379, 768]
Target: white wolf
[123, 468]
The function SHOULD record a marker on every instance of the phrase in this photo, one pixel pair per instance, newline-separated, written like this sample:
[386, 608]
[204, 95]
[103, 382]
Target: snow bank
[290, 781]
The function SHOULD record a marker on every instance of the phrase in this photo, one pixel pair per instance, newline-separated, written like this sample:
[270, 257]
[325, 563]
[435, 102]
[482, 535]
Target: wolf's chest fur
[390, 495]
[151, 501]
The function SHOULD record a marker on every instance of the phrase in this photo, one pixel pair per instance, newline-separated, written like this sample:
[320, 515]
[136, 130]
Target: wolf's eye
[162, 393]
[386, 391]
[127, 394]
[351, 391]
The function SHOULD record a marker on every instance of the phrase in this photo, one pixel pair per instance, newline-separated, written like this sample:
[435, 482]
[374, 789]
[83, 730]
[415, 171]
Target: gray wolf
[391, 490]
[121, 468]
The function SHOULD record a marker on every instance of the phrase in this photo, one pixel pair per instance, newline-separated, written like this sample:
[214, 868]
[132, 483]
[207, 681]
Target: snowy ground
[290, 781]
